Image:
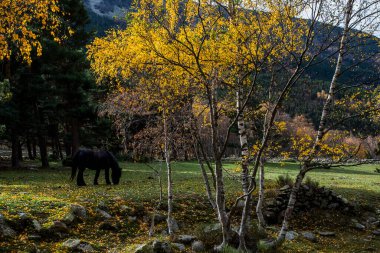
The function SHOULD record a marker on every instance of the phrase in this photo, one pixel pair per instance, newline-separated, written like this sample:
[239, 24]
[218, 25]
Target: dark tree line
[52, 109]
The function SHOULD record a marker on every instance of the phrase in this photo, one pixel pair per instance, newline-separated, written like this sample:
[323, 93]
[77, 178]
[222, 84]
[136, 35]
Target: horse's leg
[96, 176]
[80, 179]
[107, 174]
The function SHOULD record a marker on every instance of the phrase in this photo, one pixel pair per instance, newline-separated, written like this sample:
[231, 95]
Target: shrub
[284, 180]
[311, 183]
[229, 249]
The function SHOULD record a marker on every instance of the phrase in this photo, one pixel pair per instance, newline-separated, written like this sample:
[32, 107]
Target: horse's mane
[114, 164]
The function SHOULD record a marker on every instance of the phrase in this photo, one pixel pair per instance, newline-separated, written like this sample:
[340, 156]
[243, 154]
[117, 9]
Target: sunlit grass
[48, 193]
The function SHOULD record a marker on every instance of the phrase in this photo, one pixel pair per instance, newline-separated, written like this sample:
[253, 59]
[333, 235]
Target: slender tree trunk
[15, 149]
[260, 202]
[19, 146]
[205, 158]
[243, 145]
[186, 155]
[59, 148]
[169, 175]
[34, 149]
[29, 148]
[54, 147]
[158, 174]
[205, 177]
[43, 151]
[289, 210]
[220, 191]
[66, 140]
[243, 223]
[244, 173]
[75, 136]
[221, 205]
[327, 107]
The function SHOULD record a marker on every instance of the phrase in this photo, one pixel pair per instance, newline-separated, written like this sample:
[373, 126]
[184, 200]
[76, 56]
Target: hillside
[106, 14]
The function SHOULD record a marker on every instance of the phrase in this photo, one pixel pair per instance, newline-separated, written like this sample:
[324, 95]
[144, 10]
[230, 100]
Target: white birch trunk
[221, 205]
[169, 175]
[322, 123]
[205, 178]
[219, 191]
[289, 209]
[260, 202]
[243, 144]
[244, 173]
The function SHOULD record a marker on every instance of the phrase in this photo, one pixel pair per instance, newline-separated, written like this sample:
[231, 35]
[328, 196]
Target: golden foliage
[175, 47]
[20, 25]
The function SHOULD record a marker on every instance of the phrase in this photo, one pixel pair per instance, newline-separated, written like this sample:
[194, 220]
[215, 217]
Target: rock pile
[308, 198]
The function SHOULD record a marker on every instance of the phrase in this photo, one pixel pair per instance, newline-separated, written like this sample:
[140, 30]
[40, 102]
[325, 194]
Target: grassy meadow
[47, 195]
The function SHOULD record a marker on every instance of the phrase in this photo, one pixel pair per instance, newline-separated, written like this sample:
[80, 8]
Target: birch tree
[216, 50]
[355, 14]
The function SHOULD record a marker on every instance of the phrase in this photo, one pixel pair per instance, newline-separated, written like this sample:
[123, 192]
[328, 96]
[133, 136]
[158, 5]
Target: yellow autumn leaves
[174, 47]
[21, 24]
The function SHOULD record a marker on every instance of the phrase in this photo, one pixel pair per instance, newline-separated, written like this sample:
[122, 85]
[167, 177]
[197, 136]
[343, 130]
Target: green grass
[46, 194]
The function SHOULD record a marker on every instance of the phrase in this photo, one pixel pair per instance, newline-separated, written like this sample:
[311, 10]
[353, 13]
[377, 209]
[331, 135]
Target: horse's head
[116, 175]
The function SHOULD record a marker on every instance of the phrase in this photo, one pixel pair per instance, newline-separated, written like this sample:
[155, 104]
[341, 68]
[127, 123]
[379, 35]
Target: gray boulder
[85, 247]
[186, 239]
[309, 236]
[178, 247]
[36, 225]
[74, 245]
[291, 235]
[58, 227]
[103, 214]
[212, 228]
[78, 211]
[326, 233]
[23, 216]
[175, 226]
[71, 243]
[161, 247]
[197, 246]
[5, 229]
[69, 218]
[359, 226]
[154, 247]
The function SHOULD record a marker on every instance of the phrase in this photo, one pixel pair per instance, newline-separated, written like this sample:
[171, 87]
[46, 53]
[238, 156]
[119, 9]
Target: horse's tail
[74, 167]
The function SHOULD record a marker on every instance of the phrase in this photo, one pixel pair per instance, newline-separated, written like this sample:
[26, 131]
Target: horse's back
[94, 159]
[104, 158]
[84, 158]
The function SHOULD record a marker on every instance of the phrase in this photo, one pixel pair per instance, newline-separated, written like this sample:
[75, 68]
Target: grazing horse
[95, 160]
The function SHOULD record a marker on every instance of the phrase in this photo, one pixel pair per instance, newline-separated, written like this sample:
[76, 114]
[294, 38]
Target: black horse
[95, 160]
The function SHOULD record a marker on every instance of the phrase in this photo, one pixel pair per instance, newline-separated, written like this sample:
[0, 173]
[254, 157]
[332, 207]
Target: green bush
[229, 249]
[284, 180]
[311, 183]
